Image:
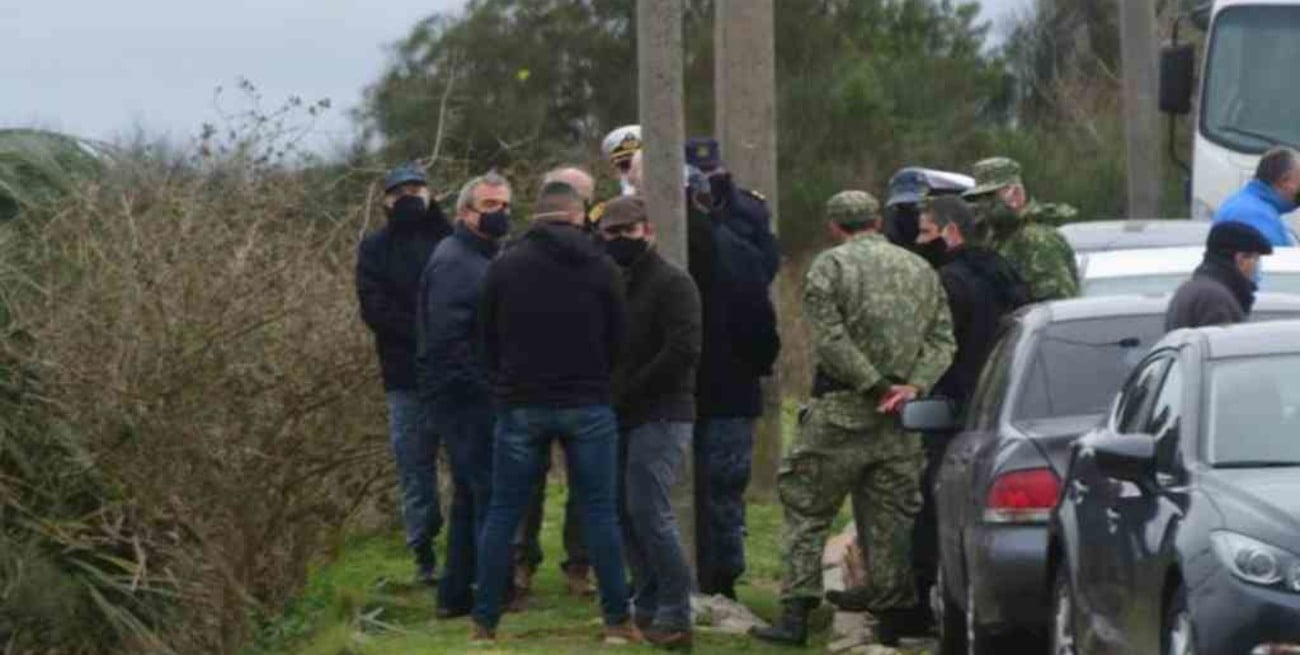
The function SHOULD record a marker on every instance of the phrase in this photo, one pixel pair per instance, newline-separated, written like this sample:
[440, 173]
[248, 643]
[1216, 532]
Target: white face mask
[626, 185]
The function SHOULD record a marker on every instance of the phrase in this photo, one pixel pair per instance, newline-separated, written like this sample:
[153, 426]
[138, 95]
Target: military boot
[849, 600]
[791, 628]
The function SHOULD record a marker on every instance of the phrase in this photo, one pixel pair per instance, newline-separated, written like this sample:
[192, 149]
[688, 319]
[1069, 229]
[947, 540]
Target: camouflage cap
[993, 174]
[852, 207]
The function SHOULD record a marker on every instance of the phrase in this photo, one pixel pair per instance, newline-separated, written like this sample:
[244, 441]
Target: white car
[1154, 271]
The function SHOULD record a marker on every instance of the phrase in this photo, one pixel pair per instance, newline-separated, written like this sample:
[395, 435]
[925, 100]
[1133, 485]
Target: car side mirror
[1177, 79]
[1129, 457]
[930, 415]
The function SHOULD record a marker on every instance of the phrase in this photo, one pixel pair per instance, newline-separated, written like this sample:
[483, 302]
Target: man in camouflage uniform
[1021, 230]
[882, 334]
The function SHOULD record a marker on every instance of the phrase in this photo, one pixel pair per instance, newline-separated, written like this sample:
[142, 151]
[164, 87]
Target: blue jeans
[465, 425]
[661, 579]
[724, 457]
[415, 448]
[522, 433]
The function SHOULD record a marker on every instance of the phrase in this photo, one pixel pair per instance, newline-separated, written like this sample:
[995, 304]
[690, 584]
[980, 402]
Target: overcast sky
[100, 68]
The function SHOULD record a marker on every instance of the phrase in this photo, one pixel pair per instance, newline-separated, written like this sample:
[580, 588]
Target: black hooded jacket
[553, 319]
[389, 263]
[982, 288]
[1217, 294]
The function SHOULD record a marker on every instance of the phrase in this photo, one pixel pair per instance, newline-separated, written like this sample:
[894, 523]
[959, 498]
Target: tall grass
[189, 402]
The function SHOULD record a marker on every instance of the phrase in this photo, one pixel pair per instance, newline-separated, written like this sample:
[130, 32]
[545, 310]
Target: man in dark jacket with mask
[453, 376]
[654, 394]
[389, 264]
[553, 322]
[1222, 290]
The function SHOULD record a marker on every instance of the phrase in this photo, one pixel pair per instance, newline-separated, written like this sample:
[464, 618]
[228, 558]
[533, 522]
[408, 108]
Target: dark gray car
[1050, 379]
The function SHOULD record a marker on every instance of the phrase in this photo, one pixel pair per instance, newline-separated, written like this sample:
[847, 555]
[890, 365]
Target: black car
[1050, 379]
[1179, 527]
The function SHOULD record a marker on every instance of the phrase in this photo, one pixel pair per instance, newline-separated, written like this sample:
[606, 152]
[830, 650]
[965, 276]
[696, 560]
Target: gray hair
[465, 201]
[1275, 164]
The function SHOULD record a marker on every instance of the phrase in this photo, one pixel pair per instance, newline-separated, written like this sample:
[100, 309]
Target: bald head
[578, 179]
[559, 202]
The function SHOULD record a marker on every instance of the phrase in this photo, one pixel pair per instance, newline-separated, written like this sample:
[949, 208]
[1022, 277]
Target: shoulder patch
[597, 210]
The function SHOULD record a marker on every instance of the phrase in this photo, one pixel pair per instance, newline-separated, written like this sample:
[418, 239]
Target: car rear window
[1077, 366]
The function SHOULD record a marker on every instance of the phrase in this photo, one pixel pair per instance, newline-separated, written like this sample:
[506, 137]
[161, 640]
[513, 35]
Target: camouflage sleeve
[1051, 266]
[939, 344]
[833, 349]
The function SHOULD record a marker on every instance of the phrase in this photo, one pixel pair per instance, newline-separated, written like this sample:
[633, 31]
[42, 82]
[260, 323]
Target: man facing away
[389, 264]
[882, 335]
[1263, 201]
[553, 322]
[654, 396]
[1222, 290]
[453, 376]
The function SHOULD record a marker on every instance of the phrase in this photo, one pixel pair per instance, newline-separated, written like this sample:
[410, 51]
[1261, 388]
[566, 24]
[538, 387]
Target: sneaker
[622, 634]
[667, 639]
[482, 636]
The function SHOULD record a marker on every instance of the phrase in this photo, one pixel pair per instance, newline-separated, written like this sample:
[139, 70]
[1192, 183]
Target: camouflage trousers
[878, 466]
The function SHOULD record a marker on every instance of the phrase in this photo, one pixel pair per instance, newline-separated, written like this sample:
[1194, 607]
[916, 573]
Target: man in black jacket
[453, 376]
[1222, 290]
[553, 322]
[654, 394]
[982, 288]
[389, 263]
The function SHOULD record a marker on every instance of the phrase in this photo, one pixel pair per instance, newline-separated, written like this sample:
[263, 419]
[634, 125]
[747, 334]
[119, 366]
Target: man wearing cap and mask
[882, 334]
[907, 190]
[654, 395]
[1222, 290]
[389, 265]
[453, 377]
[1022, 230]
[619, 146]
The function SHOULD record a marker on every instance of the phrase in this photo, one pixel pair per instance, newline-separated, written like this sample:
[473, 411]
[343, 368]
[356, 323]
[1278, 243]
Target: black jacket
[982, 288]
[389, 263]
[733, 264]
[450, 358]
[655, 379]
[553, 319]
[1217, 294]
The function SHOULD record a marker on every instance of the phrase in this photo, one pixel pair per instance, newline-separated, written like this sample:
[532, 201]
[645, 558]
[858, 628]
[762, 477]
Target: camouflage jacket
[1040, 254]
[878, 315]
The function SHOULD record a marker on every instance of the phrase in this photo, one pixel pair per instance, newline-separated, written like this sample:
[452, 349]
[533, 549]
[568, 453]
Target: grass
[362, 603]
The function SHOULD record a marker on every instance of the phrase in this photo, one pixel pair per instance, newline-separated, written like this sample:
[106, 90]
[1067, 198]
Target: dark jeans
[591, 436]
[465, 424]
[528, 547]
[653, 454]
[415, 449]
[724, 454]
[925, 532]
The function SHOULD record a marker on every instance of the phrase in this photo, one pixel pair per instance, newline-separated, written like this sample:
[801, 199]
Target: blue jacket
[449, 358]
[1259, 206]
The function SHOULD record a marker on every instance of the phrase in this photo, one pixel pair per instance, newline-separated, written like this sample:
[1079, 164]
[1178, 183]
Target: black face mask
[935, 252]
[720, 186]
[625, 251]
[495, 224]
[408, 210]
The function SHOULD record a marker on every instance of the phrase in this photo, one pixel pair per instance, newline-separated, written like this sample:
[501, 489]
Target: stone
[721, 614]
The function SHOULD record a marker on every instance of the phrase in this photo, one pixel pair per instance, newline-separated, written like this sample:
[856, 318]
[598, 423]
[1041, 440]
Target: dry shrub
[195, 326]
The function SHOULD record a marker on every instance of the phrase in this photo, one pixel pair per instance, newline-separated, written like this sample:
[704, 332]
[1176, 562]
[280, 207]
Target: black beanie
[1230, 237]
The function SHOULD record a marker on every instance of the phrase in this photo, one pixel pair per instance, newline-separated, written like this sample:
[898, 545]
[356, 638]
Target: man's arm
[452, 298]
[487, 318]
[939, 345]
[834, 350]
[1052, 270]
[615, 315]
[679, 318]
[384, 317]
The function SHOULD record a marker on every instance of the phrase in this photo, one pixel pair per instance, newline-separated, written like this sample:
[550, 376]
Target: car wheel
[978, 641]
[948, 618]
[1178, 631]
[1063, 613]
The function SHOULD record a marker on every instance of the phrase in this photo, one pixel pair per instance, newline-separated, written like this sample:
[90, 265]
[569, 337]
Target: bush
[207, 412]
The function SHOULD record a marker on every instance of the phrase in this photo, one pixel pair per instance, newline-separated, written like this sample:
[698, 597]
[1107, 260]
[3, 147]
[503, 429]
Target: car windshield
[1250, 101]
[1254, 417]
[1169, 282]
[1078, 365]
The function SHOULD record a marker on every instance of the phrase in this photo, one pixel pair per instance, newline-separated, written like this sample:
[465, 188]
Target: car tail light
[1025, 496]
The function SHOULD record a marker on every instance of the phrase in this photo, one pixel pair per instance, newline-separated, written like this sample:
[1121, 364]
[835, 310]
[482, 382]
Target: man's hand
[894, 399]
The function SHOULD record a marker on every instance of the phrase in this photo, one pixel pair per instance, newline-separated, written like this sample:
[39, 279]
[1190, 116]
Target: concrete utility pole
[745, 124]
[1137, 26]
[661, 103]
